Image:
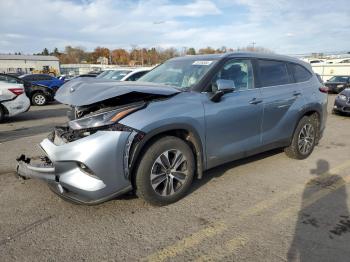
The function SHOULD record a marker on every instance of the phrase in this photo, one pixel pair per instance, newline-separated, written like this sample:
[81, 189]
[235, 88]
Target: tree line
[135, 56]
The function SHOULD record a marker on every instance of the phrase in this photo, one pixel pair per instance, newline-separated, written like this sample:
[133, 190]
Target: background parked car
[13, 99]
[39, 95]
[338, 83]
[342, 102]
[123, 74]
[43, 79]
[42, 89]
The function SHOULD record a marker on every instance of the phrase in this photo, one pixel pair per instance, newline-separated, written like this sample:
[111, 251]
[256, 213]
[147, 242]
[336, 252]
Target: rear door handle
[255, 101]
[296, 94]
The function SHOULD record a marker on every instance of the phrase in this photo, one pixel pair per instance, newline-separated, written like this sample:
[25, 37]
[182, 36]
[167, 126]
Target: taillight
[323, 89]
[17, 91]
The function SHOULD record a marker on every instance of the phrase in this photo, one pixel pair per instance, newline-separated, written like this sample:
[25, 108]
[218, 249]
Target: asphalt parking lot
[264, 208]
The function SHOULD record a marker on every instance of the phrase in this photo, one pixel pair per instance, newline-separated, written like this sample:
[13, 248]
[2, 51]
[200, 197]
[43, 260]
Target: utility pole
[141, 56]
[253, 44]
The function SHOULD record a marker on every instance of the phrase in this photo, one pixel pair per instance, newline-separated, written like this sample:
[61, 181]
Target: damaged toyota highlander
[190, 114]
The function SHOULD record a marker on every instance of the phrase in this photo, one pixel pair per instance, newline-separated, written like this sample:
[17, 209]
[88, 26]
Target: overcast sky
[284, 26]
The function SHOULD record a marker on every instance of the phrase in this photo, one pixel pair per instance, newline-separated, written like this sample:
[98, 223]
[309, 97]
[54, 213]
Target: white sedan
[13, 99]
[123, 74]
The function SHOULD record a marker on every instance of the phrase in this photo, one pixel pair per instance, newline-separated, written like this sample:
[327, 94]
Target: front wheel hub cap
[306, 139]
[169, 172]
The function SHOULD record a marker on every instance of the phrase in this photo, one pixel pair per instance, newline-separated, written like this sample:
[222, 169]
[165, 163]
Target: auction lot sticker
[206, 63]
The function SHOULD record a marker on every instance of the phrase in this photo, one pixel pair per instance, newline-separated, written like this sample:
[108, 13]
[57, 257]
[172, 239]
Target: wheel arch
[182, 131]
[312, 111]
[4, 108]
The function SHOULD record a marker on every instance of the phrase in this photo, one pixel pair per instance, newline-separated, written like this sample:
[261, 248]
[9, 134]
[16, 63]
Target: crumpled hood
[81, 92]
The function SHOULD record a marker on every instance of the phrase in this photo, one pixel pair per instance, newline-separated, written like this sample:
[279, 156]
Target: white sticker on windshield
[206, 63]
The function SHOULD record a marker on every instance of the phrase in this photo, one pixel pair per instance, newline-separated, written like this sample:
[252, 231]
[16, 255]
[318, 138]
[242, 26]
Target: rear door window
[43, 77]
[300, 73]
[273, 73]
[29, 78]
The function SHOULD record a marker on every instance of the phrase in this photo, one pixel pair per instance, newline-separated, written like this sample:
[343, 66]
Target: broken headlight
[103, 119]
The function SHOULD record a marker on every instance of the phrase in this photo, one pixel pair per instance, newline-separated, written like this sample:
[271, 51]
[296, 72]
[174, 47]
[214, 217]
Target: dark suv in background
[336, 84]
[185, 116]
[44, 87]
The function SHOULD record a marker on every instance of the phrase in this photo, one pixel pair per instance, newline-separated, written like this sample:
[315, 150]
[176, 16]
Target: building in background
[102, 60]
[79, 69]
[26, 64]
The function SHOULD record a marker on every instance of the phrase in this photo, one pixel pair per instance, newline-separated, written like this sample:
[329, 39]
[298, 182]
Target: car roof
[34, 75]
[245, 55]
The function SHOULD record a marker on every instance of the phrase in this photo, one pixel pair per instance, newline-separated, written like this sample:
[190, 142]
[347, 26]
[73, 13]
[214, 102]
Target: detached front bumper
[89, 170]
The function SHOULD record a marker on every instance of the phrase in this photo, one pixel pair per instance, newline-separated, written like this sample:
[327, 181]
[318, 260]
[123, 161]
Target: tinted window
[136, 76]
[28, 78]
[239, 71]
[9, 79]
[300, 73]
[342, 79]
[273, 73]
[43, 77]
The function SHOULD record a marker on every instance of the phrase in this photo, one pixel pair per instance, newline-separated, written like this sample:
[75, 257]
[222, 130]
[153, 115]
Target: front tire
[39, 99]
[304, 138]
[165, 172]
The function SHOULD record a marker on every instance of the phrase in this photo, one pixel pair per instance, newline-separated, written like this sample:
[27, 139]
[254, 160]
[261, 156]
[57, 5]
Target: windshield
[183, 74]
[113, 74]
[342, 79]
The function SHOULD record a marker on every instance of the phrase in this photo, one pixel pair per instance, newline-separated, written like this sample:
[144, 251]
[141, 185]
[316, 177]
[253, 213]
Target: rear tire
[165, 171]
[39, 99]
[304, 138]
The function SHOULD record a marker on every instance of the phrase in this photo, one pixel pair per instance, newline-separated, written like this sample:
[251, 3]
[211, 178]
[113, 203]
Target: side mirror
[226, 86]
[223, 86]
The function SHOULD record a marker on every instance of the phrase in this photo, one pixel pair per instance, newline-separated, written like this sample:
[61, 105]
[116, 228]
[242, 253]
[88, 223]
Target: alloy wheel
[40, 99]
[306, 139]
[169, 172]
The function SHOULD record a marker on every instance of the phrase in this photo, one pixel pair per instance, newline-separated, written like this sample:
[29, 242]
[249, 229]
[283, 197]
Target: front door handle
[296, 94]
[255, 101]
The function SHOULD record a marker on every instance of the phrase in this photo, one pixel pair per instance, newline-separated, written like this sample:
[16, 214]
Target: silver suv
[185, 116]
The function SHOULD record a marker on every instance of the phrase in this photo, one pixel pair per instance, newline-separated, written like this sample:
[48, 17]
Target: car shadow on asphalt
[322, 231]
[220, 170]
[214, 172]
[37, 114]
[6, 136]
